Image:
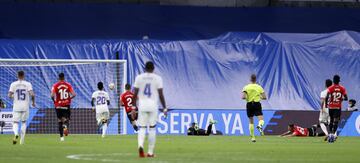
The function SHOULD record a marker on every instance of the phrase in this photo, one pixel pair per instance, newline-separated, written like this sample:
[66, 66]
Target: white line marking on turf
[97, 157]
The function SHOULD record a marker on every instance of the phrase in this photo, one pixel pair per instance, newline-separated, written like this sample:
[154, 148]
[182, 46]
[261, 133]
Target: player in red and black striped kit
[62, 93]
[126, 100]
[336, 94]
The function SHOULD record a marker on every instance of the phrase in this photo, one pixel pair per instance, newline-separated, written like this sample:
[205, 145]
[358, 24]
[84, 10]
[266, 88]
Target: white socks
[16, 128]
[323, 127]
[104, 128]
[152, 140]
[141, 137]
[23, 132]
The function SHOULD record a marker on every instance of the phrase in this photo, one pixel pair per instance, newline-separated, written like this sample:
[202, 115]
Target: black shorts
[131, 119]
[312, 131]
[253, 109]
[334, 113]
[63, 113]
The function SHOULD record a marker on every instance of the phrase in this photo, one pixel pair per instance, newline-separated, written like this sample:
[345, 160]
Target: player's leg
[209, 129]
[250, 115]
[24, 117]
[132, 121]
[142, 120]
[105, 118]
[337, 115]
[324, 120]
[60, 123]
[66, 120]
[152, 133]
[259, 114]
[331, 125]
[16, 120]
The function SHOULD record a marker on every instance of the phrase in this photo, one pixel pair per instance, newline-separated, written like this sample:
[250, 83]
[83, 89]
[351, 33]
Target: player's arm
[244, 95]
[53, 94]
[286, 133]
[72, 93]
[136, 92]
[93, 104]
[11, 91]
[263, 96]
[162, 101]
[345, 97]
[121, 101]
[290, 135]
[32, 95]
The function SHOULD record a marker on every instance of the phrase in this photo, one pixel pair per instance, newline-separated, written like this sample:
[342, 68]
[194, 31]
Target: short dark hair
[291, 125]
[61, 76]
[149, 66]
[352, 101]
[21, 73]
[100, 85]
[253, 78]
[328, 83]
[336, 79]
[127, 86]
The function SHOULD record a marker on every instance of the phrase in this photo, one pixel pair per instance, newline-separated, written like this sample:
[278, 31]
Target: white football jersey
[148, 96]
[21, 90]
[323, 94]
[101, 98]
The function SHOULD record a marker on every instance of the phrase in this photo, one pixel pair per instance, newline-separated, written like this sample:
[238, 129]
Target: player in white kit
[21, 91]
[324, 118]
[148, 90]
[100, 101]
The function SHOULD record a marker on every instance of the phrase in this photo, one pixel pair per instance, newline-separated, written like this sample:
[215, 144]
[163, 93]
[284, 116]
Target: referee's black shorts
[63, 112]
[253, 109]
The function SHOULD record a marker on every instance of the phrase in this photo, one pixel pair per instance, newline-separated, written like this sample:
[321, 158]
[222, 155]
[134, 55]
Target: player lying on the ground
[126, 100]
[352, 105]
[99, 102]
[62, 93]
[294, 130]
[194, 130]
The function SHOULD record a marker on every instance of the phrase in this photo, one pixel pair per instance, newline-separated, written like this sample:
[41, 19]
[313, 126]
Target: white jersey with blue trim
[148, 96]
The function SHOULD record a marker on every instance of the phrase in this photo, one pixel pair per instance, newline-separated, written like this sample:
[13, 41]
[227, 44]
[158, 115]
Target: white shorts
[324, 116]
[147, 118]
[20, 116]
[102, 116]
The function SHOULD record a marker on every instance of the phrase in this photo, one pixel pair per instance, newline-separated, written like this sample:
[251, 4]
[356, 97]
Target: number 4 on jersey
[147, 90]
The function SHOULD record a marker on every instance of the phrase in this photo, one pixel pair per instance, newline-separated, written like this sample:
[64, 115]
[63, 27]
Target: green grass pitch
[179, 149]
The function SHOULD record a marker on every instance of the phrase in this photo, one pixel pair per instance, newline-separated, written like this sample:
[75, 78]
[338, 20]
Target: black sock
[331, 126]
[61, 131]
[209, 128]
[335, 126]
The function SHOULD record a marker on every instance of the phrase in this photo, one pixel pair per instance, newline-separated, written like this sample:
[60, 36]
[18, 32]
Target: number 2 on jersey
[147, 90]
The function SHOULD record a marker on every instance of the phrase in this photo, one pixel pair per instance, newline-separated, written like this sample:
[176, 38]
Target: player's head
[328, 83]
[253, 78]
[149, 66]
[352, 102]
[127, 87]
[291, 127]
[336, 79]
[61, 76]
[21, 74]
[100, 85]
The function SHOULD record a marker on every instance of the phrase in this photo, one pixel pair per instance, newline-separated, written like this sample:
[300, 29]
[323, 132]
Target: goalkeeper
[194, 130]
